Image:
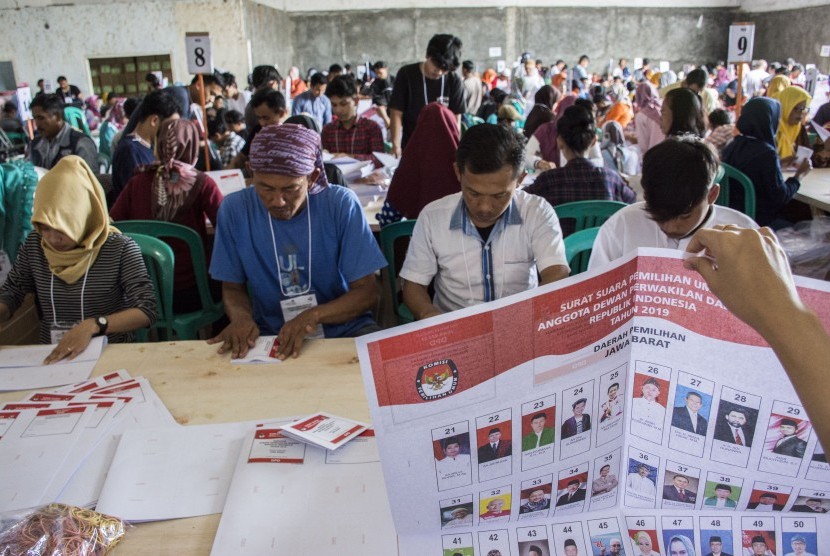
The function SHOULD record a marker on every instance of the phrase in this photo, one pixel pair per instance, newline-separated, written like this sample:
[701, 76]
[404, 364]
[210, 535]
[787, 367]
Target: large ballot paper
[618, 412]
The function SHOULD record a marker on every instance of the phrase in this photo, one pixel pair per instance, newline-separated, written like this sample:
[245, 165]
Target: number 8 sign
[741, 39]
[199, 56]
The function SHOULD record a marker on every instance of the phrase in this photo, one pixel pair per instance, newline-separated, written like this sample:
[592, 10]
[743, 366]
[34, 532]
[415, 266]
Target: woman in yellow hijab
[795, 109]
[777, 84]
[88, 279]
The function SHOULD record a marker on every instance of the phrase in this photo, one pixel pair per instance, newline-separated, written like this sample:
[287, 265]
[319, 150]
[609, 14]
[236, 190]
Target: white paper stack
[58, 445]
[288, 497]
[22, 368]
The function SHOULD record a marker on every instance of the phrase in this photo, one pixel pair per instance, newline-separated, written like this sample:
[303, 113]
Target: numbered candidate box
[722, 492]
[786, 439]
[535, 497]
[690, 413]
[681, 486]
[678, 534]
[457, 512]
[538, 432]
[611, 405]
[572, 486]
[569, 538]
[494, 440]
[819, 469]
[641, 479]
[650, 393]
[496, 540]
[768, 497]
[812, 501]
[741, 42]
[495, 504]
[642, 531]
[451, 448]
[577, 408]
[758, 535]
[735, 422]
[716, 535]
[605, 481]
[799, 536]
[534, 538]
[605, 536]
[453, 545]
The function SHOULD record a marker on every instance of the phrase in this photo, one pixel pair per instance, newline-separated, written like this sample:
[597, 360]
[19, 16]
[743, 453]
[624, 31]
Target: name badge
[58, 330]
[293, 306]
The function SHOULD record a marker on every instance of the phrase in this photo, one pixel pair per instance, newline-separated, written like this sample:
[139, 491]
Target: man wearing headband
[300, 246]
[488, 241]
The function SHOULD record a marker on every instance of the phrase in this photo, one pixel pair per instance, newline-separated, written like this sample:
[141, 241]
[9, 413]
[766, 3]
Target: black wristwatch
[102, 323]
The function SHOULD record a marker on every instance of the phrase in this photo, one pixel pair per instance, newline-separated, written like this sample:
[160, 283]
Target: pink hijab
[648, 101]
[547, 133]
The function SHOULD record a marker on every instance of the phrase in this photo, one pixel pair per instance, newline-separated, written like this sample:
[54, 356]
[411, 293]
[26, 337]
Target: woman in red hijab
[425, 173]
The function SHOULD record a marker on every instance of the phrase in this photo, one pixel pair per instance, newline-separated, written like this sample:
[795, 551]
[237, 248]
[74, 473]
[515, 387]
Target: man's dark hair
[718, 117]
[444, 51]
[274, 99]
[50, 103]
[229, 79]
[646, 61]
[234, 117]
[335, 68]
[579, 401]
[697, 77]
[584, 58]
[468, 65]
[695, 394]
[576, 482]
[263, 74]
[342, 86]
[607, 465]
[617, 384]
[536, 549]
[209, 79]
[379, 64]
[798, 67]
[721, 486]
[677, 174]
[487, 148]
[318, 79]
[686, 113]
[62, 78]
[9, 108]
[130, 105]
[577, 128]
[159, 103]
[152, 79]
[539, 415]
[216, 126]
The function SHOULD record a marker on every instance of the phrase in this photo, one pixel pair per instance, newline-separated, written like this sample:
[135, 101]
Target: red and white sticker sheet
[622, 411]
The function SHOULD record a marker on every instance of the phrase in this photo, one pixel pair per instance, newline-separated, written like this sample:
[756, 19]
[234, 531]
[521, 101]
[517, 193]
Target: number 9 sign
[199, 56]
[741, 39]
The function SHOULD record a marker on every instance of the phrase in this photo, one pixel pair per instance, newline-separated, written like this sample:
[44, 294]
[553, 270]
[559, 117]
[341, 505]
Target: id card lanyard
[59, 328]
[467, 267]
[440, 97]
[296, 303]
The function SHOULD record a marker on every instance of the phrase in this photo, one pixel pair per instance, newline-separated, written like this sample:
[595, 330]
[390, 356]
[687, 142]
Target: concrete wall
[795, 34]
[71, 38]
[270, 33]
[401, 36]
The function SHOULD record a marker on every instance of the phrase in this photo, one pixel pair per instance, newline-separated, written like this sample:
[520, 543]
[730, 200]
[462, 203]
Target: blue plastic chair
[578, 248]
[76, 118]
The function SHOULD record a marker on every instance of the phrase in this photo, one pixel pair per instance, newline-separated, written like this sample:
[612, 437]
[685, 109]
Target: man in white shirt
[640, 483]
[680, 194]
[754, 81]
[488, 241]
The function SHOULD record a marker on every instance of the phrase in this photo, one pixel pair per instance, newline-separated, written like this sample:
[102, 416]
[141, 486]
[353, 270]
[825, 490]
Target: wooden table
[815, 189]
[199, 387]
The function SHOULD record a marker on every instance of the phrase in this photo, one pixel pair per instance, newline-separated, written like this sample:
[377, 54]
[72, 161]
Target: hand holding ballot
[748, 270]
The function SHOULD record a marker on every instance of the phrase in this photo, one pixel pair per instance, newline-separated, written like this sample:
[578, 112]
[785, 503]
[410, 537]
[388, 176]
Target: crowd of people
[294, 253]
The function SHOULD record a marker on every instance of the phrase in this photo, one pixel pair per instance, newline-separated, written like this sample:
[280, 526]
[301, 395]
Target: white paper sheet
[387, 160]
[172, 473]
[228, 181]
[821, 131]
[590, 410]
[22, 368]
[33, 451]
[264, 351]
[332, 504]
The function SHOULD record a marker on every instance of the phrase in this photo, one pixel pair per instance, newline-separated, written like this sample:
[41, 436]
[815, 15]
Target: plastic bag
[58, 530]
[807, 245]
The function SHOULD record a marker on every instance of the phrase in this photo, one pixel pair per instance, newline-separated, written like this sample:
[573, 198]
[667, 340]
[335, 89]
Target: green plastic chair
[587, 214]
[158, 258]
[75, 117]
[18, 181]
[185, 325]
[578, 248]
[389, 235]
[730, 176]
